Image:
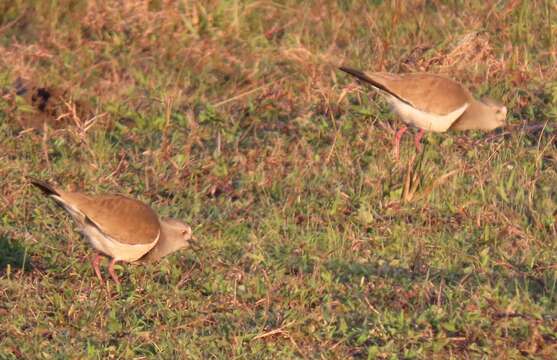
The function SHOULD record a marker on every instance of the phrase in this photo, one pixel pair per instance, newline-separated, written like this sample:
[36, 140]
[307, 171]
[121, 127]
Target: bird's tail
[368, 79]
[45, 187]
[360, 75]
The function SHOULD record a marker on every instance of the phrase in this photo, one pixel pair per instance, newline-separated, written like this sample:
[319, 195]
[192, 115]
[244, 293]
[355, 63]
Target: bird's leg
[111, 271]
[418, 138]
[398, 136]
[95, 262]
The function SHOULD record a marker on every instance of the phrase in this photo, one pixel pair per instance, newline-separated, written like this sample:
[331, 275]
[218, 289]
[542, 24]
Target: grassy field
[315, 243]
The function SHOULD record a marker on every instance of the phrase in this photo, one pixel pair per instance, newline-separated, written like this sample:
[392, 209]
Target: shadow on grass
[537, 286]
[12, 254]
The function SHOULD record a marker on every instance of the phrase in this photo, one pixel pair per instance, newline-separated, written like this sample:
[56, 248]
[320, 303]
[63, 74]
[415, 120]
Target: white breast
[115, 249]
[422, 119]
[103, 242]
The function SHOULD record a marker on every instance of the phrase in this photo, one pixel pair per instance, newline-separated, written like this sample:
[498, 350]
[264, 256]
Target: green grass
[232, 117]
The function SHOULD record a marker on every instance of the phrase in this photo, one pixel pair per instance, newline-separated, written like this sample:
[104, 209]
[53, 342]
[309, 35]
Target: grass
[316, 243]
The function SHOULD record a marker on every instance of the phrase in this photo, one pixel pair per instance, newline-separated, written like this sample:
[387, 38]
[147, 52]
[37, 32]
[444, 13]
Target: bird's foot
[418, 139]
[398, 137]
[95, 262]
[112, 272]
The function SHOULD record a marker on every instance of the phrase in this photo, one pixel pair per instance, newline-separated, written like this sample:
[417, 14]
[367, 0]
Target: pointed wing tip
[357, 73]
[44, 186]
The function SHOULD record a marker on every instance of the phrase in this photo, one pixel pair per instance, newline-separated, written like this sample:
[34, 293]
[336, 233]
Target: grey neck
[164, 246]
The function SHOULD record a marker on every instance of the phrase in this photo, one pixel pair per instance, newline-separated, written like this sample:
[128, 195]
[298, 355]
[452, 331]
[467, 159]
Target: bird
[119, 227]
[432, 102]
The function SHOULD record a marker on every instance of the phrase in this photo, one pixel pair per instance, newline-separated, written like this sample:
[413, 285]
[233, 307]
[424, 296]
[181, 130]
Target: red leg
[111, 271]
[95, 262]
[398, 136]
[418, 138]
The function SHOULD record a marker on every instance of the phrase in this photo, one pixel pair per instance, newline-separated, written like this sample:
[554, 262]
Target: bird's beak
[194, 244]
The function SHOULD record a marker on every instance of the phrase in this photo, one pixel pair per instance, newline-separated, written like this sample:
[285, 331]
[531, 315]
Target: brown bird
[432, 103]
[119, 227]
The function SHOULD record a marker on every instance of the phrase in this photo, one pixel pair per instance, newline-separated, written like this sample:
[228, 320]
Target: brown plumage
[433, 102]
[122, 228]
[416, 89]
